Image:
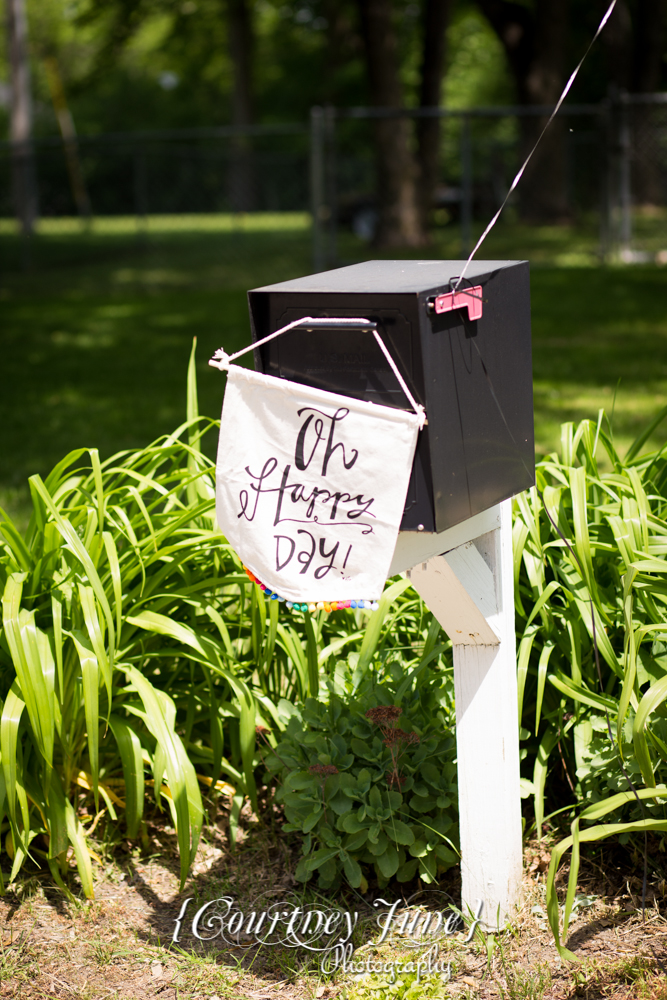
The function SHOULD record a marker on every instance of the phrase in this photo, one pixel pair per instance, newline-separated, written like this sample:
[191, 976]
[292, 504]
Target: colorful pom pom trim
[312, 607]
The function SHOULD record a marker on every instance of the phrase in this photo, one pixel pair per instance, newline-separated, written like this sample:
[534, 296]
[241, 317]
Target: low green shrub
[368, 779]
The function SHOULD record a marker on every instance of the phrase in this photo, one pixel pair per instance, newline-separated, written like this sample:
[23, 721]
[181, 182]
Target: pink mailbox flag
[311, 486]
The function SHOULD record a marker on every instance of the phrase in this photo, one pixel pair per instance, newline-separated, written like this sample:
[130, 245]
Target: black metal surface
[473, 377]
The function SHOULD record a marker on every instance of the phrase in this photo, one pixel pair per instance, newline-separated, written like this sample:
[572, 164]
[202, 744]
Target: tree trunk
[20, 128]
[68, 133]
[544, 197]
[534, 44]
[400, 222]
[344, 45]
[242, 181]
[650, 23]
[634, 40]
[617, 41]
[435, 21]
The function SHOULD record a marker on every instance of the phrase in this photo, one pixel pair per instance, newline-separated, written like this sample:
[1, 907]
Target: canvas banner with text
[311, 486]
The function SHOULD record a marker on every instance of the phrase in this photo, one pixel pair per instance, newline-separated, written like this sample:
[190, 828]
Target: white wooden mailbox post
[465, 576]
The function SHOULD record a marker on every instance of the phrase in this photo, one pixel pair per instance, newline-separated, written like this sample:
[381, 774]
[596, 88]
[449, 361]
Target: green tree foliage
[157, 63]
[132, 64]
[166, 63]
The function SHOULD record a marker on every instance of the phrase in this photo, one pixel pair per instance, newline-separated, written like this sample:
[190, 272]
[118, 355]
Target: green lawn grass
[96, 332]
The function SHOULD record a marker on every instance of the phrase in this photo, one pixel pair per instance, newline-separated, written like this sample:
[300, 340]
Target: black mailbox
[473, 375]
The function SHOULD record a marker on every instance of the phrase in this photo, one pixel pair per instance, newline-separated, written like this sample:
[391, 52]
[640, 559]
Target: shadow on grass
[96, 335]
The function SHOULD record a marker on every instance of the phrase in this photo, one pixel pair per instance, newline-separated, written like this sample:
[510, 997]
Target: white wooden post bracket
[470, 590]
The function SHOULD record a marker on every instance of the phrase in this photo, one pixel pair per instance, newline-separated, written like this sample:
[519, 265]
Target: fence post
[607, 179]
[466, 187]
[330, 213]
[625, 181]
[24, 180]
[318, 187]
[140, 188]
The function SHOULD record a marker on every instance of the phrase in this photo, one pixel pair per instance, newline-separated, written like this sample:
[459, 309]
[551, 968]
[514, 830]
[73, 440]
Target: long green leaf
[374, 627]
[77, 839]
[56, 818]
[582, 542]
[34, 665]
[592, 835]
[76, 546]
[523, 659]
[183, 785]
[642, 438]
[87, 598]
[540, 771]
[542, 667]
[211, 651]
[90, 677]
[630, 659]
[581, 694]
[11, 767]
[129, 747]
[654, 697]
[311, 653]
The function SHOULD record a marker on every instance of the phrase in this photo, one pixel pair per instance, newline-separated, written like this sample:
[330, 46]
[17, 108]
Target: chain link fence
[604, 165]
[254, 169]
[636, 208]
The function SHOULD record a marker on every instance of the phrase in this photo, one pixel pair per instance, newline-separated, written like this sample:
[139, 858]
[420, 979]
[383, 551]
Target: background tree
[241, 53]
[48, 52]
[344, 59]
[406, 182]
[634, 40]
[400, 221]
[635, 45]
[534, 37]
[144, 64]
[21, 116]
[435, 20]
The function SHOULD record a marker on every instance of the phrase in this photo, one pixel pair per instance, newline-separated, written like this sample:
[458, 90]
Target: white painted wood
[414, 547]
[487, 722]
[459, 589]
[475, 575]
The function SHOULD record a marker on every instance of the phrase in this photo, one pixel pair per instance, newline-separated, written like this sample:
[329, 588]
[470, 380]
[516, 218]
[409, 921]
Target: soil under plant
[120, 944]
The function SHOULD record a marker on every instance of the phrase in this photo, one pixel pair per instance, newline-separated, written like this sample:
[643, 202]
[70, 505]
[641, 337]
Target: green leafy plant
[81, 715]
[117, 655]
[134, 650]
[591, 608]
[370, 784]
[132, 644]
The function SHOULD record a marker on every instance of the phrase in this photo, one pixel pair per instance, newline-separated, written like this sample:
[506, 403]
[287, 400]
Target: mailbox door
[351, 363]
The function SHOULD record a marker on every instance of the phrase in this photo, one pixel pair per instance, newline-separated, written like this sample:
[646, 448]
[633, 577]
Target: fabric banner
[311, 486]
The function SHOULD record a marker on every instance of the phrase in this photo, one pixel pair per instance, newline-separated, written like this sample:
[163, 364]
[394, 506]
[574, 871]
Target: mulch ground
[119, 945]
